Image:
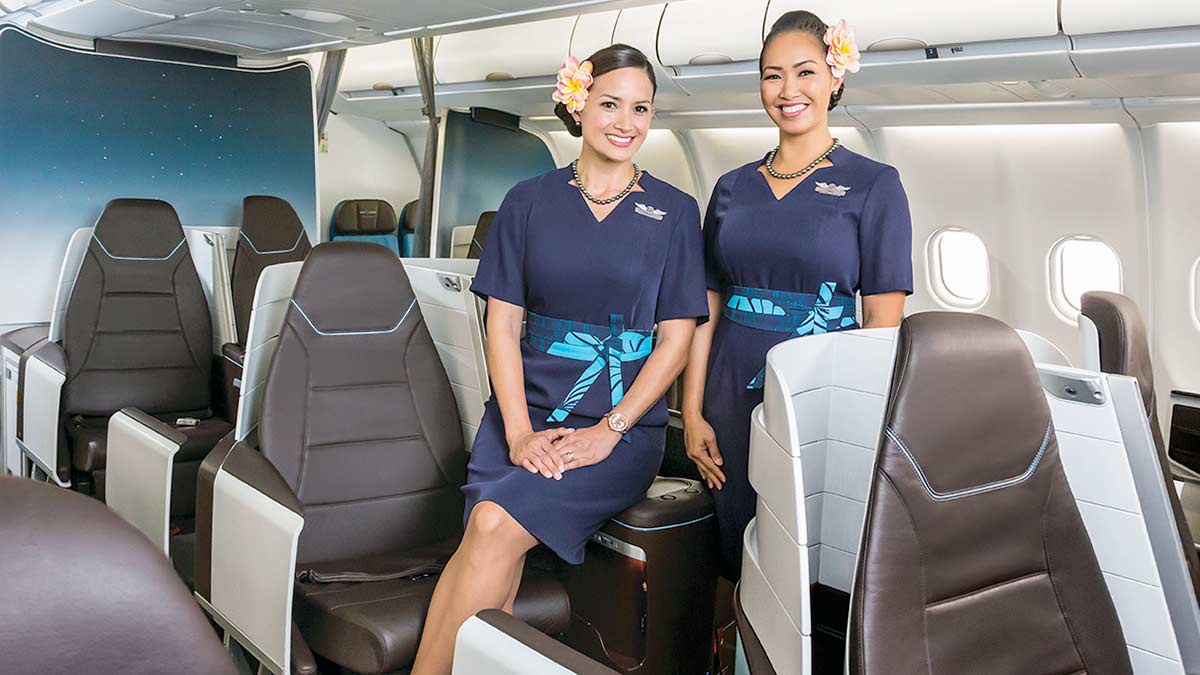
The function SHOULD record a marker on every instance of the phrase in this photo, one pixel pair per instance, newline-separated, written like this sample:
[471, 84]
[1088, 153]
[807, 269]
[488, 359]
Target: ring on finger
[569, 455]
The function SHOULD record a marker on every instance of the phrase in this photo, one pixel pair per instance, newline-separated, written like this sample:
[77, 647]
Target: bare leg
[481, 575]
[512, 592]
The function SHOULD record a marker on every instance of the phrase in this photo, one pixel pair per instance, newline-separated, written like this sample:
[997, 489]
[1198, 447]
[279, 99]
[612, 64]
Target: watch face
[617, 422]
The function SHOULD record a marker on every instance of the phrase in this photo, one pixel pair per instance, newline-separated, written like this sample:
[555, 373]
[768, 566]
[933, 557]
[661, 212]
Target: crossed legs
[484, 573]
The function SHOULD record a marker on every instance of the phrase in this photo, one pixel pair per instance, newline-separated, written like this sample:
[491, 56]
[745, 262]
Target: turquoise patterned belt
[785, 312]
[599, 346]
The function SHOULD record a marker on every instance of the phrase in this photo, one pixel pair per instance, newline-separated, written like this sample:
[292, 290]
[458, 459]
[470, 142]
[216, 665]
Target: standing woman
[789, 241]
[593, 256]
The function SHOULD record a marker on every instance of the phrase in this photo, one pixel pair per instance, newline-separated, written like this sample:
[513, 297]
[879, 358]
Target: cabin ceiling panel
[285, 26]
[882, 25]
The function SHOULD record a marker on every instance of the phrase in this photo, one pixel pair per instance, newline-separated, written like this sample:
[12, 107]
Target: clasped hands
[554, 451]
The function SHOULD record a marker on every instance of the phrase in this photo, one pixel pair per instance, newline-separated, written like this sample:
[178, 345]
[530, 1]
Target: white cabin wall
[366, 160]
[1173, 161]
[1021, 188]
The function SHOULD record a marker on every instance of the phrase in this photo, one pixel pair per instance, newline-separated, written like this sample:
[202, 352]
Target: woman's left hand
[586, 447]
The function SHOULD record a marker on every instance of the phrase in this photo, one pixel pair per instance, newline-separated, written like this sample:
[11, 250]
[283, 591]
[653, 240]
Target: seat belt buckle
[186, 422]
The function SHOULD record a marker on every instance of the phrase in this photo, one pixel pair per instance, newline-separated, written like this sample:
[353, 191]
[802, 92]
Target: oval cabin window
[1079, 264]
[1195, 294]
[958, 268]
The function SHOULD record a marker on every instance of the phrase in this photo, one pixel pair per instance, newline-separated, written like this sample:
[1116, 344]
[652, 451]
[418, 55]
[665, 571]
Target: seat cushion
[374, 627]
[89, 439]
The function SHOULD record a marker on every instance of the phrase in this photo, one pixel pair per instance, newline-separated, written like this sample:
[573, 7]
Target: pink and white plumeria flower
[574, 80]
[843, 56]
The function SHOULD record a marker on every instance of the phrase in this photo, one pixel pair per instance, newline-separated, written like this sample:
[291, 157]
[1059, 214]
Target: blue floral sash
[599, 346]
[785, 312]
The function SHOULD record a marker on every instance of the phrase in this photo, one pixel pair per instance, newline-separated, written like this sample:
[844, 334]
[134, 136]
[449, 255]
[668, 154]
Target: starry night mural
[78, 129]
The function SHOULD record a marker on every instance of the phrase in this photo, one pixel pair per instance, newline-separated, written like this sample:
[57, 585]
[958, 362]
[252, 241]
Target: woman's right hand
[534, 450]
[700, 441]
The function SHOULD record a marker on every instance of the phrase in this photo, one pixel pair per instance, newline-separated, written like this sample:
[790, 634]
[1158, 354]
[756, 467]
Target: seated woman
[594, 256]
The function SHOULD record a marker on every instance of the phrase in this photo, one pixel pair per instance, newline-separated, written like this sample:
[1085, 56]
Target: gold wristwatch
[617, 422]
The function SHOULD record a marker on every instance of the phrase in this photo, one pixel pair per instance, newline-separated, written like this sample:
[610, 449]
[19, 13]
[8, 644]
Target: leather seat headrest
[270, 224]
[333, 307]
[364, 216]
[966, 378]
[139, 229]
[408, 216]
[1124, 345]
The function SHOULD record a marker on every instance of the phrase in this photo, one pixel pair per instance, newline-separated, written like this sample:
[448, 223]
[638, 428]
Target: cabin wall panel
[79, 129]
[1173, 162]
[364, 160]
[1021, 188]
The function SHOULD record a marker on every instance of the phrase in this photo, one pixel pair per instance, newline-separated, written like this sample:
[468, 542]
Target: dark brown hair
[804, 22]
[604, 61]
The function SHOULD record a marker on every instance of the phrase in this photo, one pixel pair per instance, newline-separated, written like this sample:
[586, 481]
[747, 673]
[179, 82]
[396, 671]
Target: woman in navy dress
[605, 263]
[789, 242]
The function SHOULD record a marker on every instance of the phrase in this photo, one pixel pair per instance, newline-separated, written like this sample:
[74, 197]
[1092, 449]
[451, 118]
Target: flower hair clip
[574, 80]
[843, 53]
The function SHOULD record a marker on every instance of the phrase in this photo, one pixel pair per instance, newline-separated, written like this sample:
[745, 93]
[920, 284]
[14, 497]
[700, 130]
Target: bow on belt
[786, 312]
[599, 346]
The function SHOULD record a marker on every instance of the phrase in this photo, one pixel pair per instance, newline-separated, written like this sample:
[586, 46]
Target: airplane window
[958, 268]
[1079, 264]
[1196, 293]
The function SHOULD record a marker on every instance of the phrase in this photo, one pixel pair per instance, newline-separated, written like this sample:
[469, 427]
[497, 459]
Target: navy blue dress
[787, 268]
[592, 291]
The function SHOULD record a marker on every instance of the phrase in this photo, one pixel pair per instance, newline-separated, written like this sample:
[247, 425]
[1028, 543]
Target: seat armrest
[668, 502]
[43, 370]
[494, 643]
[139, 468]
[235, 353]
[248, 524]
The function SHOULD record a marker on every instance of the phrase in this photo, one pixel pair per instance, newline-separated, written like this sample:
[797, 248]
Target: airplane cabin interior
[249, 333]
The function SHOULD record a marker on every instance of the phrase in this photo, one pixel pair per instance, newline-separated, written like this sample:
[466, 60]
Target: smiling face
[795, 82]
[617, 115]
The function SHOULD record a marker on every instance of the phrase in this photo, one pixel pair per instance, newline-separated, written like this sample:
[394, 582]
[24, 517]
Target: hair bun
[568, 120]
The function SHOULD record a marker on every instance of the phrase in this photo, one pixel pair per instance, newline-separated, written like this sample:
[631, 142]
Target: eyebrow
[618, 98]
[797, 65]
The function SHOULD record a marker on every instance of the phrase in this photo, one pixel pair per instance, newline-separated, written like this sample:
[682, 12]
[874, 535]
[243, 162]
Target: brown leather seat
[974, 558]
[137, 333]
[271, 234]
[359, 419]
[1125, 350]
[370, 220]
[481, 233]
[134, 618]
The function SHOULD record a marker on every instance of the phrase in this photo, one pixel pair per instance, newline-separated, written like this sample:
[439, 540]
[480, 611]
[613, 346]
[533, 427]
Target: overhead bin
[883, 25]
[1081, 17]
[385, 66]
[505, 52]
[710, 32]
[1165, 51]
[592, 33]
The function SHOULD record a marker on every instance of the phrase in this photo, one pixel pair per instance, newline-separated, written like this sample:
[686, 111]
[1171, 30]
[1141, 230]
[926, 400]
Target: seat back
[479, 237]
[1124, 349]
[371, 220]
[137, 330]
[135, 616]
[358, 415]
[974, 557]
[408, 228]
[271, 234]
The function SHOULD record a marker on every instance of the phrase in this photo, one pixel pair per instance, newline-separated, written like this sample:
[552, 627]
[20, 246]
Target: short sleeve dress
[787, 268]
[593, 292]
